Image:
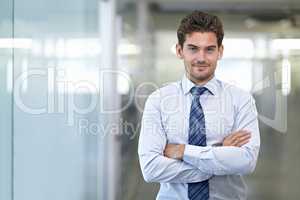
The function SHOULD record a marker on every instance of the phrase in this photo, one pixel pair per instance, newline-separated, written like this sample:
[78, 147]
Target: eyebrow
[210, 46]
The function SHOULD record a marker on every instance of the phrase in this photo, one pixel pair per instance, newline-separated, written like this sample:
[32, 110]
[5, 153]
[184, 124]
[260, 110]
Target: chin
[201, 77]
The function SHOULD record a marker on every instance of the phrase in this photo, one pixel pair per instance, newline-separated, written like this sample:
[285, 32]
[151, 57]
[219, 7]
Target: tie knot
[197, 91]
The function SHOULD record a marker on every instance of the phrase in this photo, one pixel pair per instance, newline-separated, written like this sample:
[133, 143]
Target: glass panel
[56, 100]
[6, 134]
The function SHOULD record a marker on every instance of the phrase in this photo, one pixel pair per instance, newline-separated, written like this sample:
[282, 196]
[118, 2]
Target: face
[200, 54]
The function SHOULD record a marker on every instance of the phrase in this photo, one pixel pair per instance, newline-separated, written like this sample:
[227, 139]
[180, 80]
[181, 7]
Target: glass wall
[6, 122]
[54, 135]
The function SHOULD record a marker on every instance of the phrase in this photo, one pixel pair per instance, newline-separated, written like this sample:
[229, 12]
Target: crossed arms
[183, 163]
[235, 139]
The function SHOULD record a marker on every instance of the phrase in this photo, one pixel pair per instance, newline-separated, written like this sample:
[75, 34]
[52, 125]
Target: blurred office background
[75, 75]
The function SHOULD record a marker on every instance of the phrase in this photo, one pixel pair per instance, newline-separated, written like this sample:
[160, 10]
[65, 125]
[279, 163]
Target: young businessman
[199, 135]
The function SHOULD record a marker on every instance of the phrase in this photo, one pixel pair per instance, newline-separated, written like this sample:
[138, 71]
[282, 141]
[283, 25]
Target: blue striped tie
[198, 190]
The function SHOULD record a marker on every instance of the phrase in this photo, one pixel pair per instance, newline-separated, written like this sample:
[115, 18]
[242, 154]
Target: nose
[200, 62]
[200, 58]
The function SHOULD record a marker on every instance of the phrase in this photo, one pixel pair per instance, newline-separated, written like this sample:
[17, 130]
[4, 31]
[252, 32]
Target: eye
[192, 48]
[210, 50]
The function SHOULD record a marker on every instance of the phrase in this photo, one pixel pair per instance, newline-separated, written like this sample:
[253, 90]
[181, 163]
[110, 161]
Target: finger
[241, 131]
[229, 137]
[233, 142]
[239, 140]
[240, 134]
[247, 136]
[236, 133]
[234, 138]
[243, 143]
[244, 131]
[233, 135]
[243, 138]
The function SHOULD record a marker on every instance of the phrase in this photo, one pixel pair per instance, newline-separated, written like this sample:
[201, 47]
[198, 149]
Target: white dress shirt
[166, 120]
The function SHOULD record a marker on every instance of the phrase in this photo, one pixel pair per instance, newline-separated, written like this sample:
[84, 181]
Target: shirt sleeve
[229, 160]
[152, 141]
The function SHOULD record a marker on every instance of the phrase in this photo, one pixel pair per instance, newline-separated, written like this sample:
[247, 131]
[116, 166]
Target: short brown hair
[199, 21]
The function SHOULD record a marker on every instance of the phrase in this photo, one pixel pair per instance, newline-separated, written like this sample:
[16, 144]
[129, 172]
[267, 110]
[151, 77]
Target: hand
[237, 139]
[174, 151]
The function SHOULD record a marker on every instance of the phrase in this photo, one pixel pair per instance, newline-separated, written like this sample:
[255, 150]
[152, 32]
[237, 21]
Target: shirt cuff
[192, 152]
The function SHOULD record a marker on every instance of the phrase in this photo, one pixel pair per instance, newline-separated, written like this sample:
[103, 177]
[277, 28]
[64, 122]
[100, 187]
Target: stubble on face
[200, 54]
[198, 72]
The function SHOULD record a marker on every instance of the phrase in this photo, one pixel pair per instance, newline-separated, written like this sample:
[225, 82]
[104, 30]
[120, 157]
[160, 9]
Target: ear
[179, 51]
[221, 49]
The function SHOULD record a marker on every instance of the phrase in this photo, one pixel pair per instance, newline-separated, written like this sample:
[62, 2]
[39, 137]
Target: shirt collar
[187, 85]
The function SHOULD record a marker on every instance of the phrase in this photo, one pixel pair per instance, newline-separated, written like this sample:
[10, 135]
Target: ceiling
[249, 6]
[273, 15]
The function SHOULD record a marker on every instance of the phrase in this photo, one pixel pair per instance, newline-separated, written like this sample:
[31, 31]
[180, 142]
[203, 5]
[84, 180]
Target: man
[199, 135]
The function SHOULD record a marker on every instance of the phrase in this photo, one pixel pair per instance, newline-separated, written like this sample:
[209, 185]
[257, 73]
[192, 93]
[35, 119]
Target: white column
[109, 146]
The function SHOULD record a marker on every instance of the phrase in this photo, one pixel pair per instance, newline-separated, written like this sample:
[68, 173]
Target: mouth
[200, 66]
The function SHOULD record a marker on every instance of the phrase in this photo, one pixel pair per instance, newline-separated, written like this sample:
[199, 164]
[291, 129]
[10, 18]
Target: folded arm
[154, 165]
[234, 157]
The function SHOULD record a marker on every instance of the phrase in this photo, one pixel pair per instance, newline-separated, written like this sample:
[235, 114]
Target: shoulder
[166, 93]
[170, 89]
[237, 95]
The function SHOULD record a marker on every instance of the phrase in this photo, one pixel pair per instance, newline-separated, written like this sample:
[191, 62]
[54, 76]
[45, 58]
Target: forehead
[201, 39]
